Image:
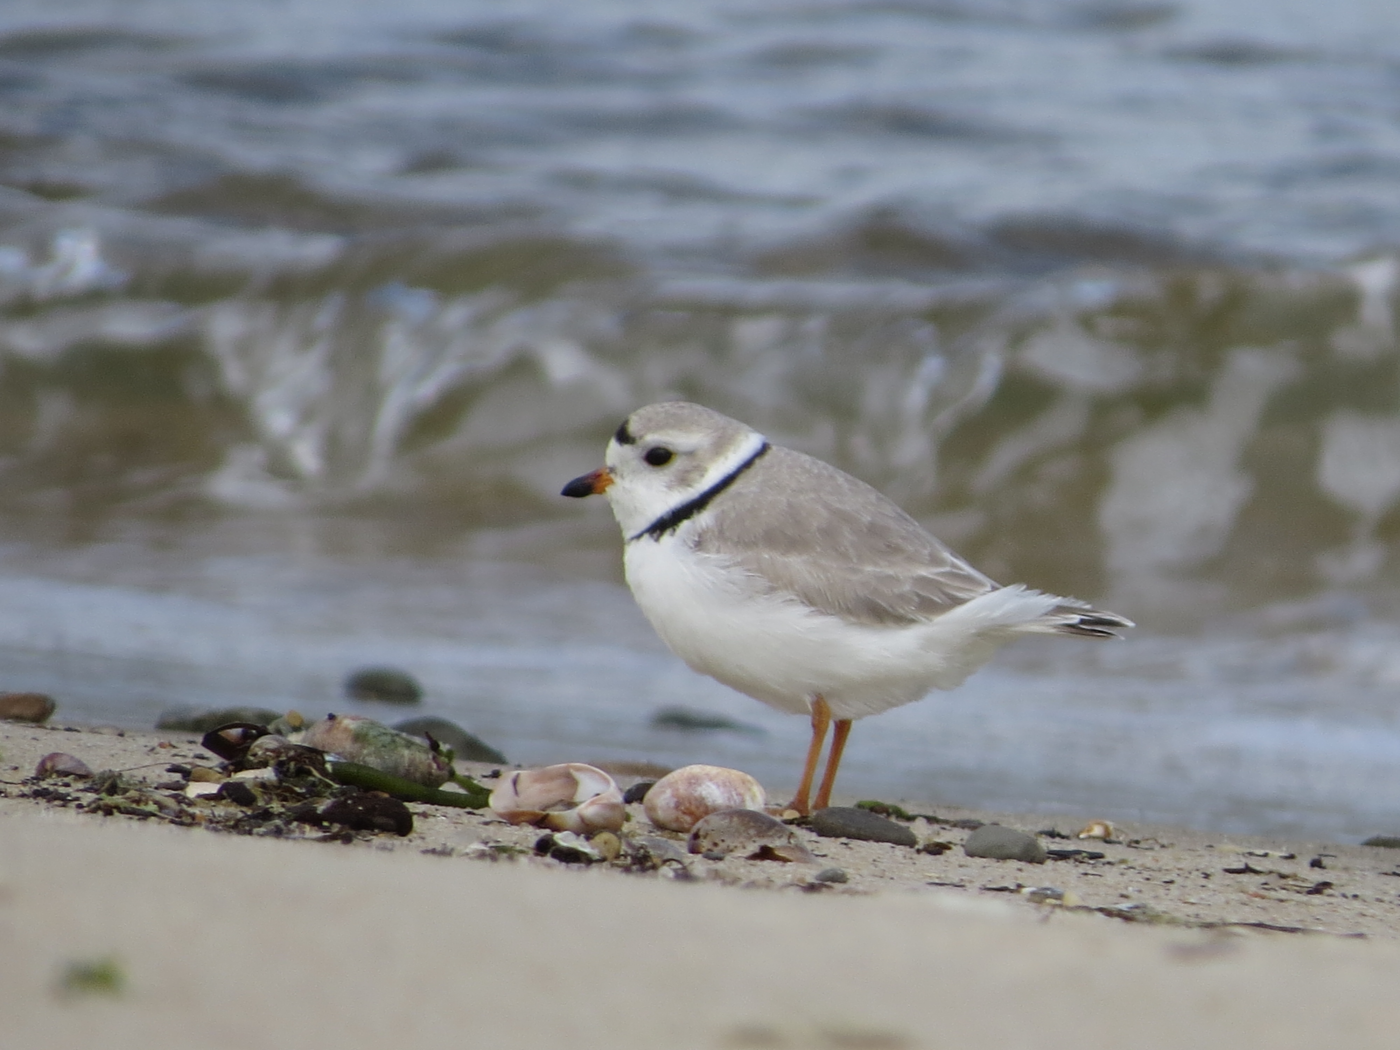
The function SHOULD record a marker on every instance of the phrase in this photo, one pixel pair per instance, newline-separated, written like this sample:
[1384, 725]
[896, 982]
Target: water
[307, 310]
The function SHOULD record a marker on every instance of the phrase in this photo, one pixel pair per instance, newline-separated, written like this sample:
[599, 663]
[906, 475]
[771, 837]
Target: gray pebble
[831, 875]
[661, 849]
[385, 685]
[690, 720]
[847, 822]
[465, 746]
[638, 791]
[998, 843]
[750, 834]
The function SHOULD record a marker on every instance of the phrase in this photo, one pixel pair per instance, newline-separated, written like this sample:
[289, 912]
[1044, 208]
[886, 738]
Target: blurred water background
[308, 308]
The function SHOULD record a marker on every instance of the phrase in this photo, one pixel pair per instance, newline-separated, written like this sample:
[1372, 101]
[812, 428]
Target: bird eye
[658, 457]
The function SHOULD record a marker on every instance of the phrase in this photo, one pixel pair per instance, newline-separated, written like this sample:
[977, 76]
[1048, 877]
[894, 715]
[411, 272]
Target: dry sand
[239, 942]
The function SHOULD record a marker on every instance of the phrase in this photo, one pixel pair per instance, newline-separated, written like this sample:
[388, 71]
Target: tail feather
[1084, 622]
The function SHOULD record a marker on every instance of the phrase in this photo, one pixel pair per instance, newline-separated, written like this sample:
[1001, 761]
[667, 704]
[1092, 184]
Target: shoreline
[458, 930]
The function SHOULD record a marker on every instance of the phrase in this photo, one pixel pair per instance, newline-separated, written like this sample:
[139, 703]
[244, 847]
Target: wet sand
[1171, 938]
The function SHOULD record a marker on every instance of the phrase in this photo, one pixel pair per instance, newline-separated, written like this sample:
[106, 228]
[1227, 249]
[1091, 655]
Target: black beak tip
[578, 488]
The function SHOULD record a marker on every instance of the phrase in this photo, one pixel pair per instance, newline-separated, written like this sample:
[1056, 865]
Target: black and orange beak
[592, 484]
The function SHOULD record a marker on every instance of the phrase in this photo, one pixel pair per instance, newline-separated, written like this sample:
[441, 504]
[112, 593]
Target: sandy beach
[1171, 938]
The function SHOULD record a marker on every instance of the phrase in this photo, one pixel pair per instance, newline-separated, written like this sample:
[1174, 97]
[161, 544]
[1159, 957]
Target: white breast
[728, 625]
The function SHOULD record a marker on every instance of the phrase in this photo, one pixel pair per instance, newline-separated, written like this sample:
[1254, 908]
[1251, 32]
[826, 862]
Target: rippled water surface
[308, 309]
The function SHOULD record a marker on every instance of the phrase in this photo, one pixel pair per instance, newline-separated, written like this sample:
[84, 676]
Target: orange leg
[838, 744]
[821, 719]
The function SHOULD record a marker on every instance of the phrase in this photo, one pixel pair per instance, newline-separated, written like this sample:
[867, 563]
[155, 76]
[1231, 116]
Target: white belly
[719, 621]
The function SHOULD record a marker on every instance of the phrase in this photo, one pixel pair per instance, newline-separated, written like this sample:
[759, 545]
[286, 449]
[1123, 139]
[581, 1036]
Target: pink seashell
[680, 800]
[60, 765]
[568, 797]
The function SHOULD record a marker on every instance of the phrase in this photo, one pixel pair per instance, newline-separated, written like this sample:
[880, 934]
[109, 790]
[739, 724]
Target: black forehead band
[624, 436]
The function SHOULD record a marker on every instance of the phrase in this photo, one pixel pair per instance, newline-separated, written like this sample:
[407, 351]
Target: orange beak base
[592, 484]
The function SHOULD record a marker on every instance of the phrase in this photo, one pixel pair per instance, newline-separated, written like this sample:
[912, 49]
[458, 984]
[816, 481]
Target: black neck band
[672, 519]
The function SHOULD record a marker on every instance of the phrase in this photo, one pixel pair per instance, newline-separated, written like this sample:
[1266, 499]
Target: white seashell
[680, 800]
[200, 788]
[568, 797]
[1096, 829]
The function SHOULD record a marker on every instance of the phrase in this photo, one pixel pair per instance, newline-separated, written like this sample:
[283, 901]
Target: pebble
[366, 812]
[205, 775]
[831, 875]
[750, 834]
[26, 707]
[238, 792]
[690, 720]
[658, 851]
[847, 822]
[608, 844]
[1383, 841]
[680, 800]
[465, 746]
[195, 720]
[638, 791]
[59, 764]
[1000, 843]
[384, 685]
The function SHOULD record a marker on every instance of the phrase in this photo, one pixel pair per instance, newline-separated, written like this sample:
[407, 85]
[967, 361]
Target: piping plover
[797, 584]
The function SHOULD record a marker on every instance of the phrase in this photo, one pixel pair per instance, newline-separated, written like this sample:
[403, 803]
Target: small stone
[935, 848]
[465, 746]
[384, 685]
[1383, 841]
[682, 798]
[884, 809]
[831, 875]
[238, 792]
[58, 764]
[638, 791]
[847, 822]
[749, 834]
[368, 812]
[26, 707]
[195, 720]
[995, 842]
[654, 851]
[692, 721]
[608, 844]
[201, 789]
[203, 774]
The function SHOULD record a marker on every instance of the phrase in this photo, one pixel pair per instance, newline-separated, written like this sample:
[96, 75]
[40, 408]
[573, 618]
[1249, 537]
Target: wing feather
[802, 528]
